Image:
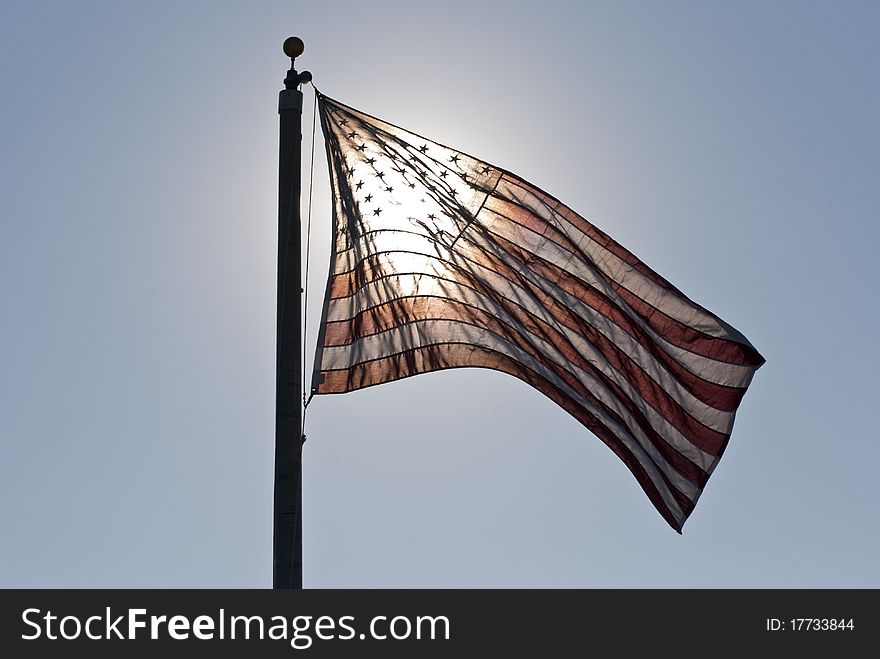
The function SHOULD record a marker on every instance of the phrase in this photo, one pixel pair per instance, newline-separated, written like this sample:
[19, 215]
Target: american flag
[441, 260]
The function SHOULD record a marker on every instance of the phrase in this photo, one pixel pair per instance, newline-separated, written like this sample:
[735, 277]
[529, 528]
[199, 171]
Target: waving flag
[441, 260]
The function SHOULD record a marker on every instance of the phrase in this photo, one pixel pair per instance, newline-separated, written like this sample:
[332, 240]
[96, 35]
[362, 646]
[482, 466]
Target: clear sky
[734, 147]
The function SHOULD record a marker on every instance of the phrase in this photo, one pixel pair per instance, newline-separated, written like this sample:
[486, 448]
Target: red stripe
[674, 331]
[718, 396]
[593, 233]
[407, 310]
[440, 357]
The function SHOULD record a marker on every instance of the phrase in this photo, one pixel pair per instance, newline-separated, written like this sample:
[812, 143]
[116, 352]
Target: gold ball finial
[293, 47]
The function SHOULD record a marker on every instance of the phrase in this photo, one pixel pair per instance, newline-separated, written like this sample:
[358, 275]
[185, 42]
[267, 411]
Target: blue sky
[734, 147]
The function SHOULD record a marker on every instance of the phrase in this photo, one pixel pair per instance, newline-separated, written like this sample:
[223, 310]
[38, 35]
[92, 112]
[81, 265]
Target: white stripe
[613, 266]
[419, 334]
[707, 368]
[407, 284]
[361, 351]
[377, 242]
[712, 370]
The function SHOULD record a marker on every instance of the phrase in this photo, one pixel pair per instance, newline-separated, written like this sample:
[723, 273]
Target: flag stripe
[549, 285]
[717, 365]
[586, 305]
[509, 301]
[692, 444]
[699, 446]
[695, 461]
[672, 504]
[543, 205]
[589, 273]
[679, 334]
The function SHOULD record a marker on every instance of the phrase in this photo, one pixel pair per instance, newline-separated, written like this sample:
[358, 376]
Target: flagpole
[287, 530]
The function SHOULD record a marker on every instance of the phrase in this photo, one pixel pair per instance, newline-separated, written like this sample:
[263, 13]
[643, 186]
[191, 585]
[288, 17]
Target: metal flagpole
[287, 531]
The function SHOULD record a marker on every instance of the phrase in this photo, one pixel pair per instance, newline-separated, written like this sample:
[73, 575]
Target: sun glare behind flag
[440, 260]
